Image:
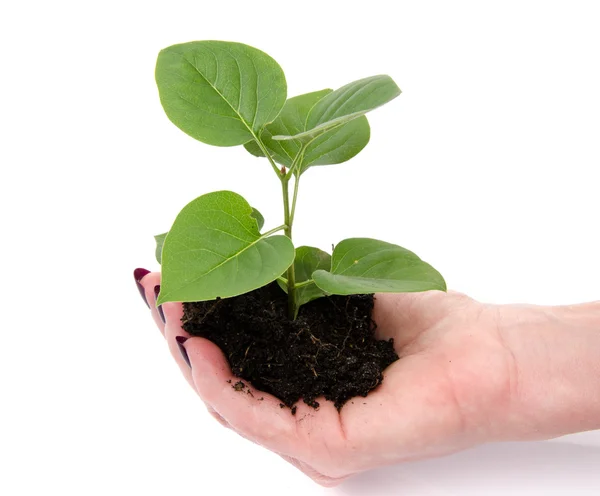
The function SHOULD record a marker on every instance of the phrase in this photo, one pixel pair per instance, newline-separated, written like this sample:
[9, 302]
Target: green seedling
[230, 94]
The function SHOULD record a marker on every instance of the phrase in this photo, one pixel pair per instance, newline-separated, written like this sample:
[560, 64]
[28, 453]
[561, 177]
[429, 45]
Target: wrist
[555, 383]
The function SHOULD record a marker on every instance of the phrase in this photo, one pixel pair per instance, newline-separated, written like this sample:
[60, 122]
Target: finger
[253, 414]
[315, 475]
[172, 329]
[149, 286]
[217, 417]
[147, 282]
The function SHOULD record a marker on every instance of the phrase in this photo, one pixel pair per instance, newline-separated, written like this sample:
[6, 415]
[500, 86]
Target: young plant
[229, 94]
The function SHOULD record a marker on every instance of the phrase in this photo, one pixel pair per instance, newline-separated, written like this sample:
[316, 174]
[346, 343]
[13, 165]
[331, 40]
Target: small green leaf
[219, 92]
[260, 220]
[363, 265]
[308, 259]
[333, 147]
[214, 249]
[160, 241]
[345, 104]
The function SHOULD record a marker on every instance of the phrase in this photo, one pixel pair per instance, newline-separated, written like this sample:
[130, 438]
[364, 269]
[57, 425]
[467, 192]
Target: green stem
[296, 183]
[296, 163]
[288, 217]
[304, 283]
[291, 273]
[268, 233]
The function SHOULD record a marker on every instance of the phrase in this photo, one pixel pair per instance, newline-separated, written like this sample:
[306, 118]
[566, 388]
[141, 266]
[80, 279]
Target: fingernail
[138, 274]
[180, 340]
[159, 307]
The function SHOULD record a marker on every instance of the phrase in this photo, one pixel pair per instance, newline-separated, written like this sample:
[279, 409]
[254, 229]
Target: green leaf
[160, 241]
[219, 92]
[333, 147]
[214, 249]
[363, 265]
[308, 259]
[260, 220]
[345, 104]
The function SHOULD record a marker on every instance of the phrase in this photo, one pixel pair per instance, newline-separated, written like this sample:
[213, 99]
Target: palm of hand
[452, 381]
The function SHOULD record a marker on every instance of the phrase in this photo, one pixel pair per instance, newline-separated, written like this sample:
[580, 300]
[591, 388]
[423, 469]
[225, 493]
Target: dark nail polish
[180, 340]
[161, 314]
[138, 274]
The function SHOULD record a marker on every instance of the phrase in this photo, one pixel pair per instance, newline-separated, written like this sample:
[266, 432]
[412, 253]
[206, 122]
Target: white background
[486, 166]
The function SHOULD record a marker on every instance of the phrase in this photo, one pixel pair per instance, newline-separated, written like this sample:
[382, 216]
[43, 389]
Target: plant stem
[272, 231]
[288, 216]
[291, 273]
[289, 221]
[296, 183]
[296, 163]
[304, 283]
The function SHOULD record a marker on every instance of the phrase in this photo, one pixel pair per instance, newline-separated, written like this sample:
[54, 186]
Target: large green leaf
[363, 265]
[219, 92]
[345, 104]
[214, 249]
[160, 238]
[308, 259]
[333, 147]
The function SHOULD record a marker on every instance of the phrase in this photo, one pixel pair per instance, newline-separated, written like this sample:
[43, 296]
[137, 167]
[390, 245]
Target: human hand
[455, 386]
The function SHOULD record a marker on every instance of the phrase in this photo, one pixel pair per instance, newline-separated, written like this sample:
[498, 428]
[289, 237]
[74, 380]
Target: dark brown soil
[329, 350]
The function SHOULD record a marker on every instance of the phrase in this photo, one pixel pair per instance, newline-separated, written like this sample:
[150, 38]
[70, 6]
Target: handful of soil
[329, 350]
